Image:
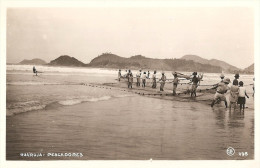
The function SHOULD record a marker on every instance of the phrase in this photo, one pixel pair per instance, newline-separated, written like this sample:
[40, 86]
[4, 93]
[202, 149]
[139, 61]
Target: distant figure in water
[241, 96]
[34, 70]
[163, 79]
[175, 83]
[220, 93]
[144, 79]
[154, 80]
[195, 81]
[234, 90]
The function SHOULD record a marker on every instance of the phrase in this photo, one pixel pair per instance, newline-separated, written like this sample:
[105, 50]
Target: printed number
[243, 154]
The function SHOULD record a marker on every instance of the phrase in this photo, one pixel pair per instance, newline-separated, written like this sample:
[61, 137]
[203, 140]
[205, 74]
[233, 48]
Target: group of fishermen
[142, 76]
[237, 90]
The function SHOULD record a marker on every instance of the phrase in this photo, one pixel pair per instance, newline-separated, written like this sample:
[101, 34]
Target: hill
[35, 61]
[250, 69]
[66, 60]
[225, 66]
[108, 60]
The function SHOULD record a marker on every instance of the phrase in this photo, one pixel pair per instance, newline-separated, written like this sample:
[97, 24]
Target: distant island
[35, 61]
[187, 63]
[66, 60]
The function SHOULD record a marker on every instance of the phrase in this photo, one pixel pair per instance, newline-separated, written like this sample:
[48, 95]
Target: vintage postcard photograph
[130, 83]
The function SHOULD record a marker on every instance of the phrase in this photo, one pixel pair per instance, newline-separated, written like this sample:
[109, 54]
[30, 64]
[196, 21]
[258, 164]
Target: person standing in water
[148, 75]
[163, 79]
[222, 76]
[234, 90]
[128, 77]
[175, 83]
[236, 77]
[119, 75]
[144, 79]
[138, 78]
[154, 80]
[241, 96]
[220, 93]
[195, 81]
[34, 70]
[131, 79]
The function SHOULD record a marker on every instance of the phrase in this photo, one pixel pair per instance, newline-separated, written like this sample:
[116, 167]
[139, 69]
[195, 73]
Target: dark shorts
[241, 100]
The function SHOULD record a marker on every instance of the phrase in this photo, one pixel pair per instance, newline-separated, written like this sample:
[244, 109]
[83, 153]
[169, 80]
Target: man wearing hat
[222, 76]
[236, 77]
[220, 93]
[163, 79]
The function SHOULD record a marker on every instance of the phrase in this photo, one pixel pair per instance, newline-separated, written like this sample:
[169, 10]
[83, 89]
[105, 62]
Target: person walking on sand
[241, 96]
[148, 75]
[34, 70]
[154, 80]
[163, 79]
[234, 90]
[195, 80]
[119, 75]
[175, 83]
[220, 93]
[144, 79]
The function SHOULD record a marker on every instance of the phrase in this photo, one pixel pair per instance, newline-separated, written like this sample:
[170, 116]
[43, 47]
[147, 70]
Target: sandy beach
[80, 111]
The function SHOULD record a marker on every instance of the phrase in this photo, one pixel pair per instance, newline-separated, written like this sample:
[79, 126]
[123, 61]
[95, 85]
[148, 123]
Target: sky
[224, 33]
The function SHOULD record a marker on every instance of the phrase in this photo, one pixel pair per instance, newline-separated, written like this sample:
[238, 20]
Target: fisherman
[154, 80]
[128, 76]
[222, 76]
[130, 83]
[175, 82]
[163, 79]
[220, 93]
[138, 77]
[148, 75]
[119, 74]
[195, 80]
[34, 70]
[234, 90]
[144, 79]
[236, 77]
[241, 96]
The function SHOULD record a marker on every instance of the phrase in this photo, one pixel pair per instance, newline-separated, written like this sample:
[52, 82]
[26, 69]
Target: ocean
[72, 111]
